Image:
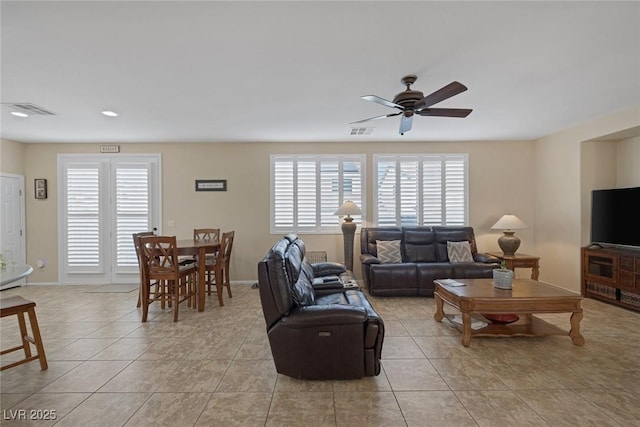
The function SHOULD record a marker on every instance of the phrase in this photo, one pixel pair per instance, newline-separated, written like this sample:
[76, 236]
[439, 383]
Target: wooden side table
[520, 261]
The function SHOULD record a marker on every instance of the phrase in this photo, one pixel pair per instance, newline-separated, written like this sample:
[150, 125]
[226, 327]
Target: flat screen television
[615, 217]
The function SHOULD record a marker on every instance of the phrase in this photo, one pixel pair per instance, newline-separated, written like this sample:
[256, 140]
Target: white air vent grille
[361, 131]
[29, 108]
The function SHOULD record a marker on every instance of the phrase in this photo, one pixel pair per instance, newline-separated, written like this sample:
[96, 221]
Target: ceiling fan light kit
[411, 102]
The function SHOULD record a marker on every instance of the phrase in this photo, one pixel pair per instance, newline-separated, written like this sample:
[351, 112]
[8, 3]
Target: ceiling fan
[411, 102]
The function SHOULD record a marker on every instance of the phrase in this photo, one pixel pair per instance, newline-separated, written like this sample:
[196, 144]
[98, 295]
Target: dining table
[199, 248]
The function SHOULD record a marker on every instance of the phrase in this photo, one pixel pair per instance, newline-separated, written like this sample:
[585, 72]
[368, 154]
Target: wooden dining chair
[212, 234]
[136, 245]
[217, 266]
[206, 234]
[176, 283]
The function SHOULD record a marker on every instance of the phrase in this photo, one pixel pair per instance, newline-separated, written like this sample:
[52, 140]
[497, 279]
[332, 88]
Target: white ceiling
[213, 71]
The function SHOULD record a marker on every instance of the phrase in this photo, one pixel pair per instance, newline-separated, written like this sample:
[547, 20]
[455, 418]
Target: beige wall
[598, 171]
[12, 155]
[500, 181]
[559, 195]
[544, 182]
[628, 159]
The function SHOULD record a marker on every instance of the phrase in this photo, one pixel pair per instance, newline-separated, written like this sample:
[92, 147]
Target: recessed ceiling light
[19, 114]
[110, 113]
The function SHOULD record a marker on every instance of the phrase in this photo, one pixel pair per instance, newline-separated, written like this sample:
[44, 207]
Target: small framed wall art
[40, 188]
[211, 185]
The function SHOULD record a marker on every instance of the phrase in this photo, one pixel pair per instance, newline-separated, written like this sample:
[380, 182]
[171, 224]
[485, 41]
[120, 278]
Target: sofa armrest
[480, 257]
[327, 282]
[369, 259]
[312, 316]
[328, 269]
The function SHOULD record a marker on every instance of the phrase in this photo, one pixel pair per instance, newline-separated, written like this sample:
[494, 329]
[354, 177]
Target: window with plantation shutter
[104, 200]
[132, 209]
[83, 218]
[307, 189]
[420, 190]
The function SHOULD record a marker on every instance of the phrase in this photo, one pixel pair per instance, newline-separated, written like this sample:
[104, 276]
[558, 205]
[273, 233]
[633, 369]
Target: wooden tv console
[612, 275]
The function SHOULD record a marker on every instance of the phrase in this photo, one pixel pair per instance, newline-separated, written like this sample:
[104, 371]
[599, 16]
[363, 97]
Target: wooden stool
[18, 306]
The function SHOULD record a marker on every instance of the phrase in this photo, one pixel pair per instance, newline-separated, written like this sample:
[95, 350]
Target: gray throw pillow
[389, 251]
[459, 252]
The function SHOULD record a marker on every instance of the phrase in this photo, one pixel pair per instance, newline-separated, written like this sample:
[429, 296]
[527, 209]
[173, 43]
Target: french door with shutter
[103, 201]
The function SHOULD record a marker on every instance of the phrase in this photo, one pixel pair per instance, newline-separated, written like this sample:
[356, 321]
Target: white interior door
[12, 238]
[105, 199]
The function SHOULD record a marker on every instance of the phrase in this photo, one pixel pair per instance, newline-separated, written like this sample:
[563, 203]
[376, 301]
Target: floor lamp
[347, 209]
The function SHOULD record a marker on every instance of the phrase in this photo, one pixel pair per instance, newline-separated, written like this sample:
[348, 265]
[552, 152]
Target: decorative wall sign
[40, 188]
[211, 185]
[109, 148]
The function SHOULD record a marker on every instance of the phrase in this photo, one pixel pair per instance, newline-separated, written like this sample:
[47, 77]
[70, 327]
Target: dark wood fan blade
[445, 112]
[405, 124]
[376, 118]
[382, 101]
[440, 95]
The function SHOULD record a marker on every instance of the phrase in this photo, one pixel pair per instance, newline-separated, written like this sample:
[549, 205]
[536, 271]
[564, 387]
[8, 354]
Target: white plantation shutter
[83, 212]
[421, 190]
[455, 190]
[386, 192]
[283, 195]
[432, 173]
[307, 189]
[306, 195]
[409, 197]
[132, 206]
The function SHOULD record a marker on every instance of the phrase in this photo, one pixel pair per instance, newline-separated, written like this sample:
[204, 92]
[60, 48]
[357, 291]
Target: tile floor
[106, 368]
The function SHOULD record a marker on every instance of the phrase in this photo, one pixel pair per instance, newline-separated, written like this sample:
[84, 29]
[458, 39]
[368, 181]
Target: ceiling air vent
[29, 108]
[361, 131]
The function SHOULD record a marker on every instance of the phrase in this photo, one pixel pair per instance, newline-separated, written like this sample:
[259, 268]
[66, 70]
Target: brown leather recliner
[325, 332]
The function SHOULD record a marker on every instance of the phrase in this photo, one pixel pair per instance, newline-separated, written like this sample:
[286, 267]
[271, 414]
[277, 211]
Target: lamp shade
[348, 208]
[509, 222]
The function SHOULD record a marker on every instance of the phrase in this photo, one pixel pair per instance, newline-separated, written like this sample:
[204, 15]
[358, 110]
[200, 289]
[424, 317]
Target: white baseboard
[43, 284]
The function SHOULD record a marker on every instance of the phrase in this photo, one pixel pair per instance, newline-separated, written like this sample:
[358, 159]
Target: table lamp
[347, 209]
[508, 242]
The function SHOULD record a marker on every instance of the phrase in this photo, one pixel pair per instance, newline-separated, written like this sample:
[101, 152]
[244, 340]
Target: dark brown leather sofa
[424, 259]
[324, 332]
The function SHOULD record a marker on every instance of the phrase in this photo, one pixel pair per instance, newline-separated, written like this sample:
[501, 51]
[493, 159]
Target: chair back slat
[206, 234]
[228, 236]
[226, 243]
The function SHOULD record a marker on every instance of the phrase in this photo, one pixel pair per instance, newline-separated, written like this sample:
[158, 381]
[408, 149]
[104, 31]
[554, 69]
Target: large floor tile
[105, 410]
[413, 374]
[498, 408]
[215, 368]
[87, 377]
[170, 409]
[44, 409]
[433, 408]
[249, 376]
[235, 409]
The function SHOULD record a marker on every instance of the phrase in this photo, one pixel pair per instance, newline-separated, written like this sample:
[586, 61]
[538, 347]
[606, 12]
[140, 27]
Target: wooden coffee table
[527, 297]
